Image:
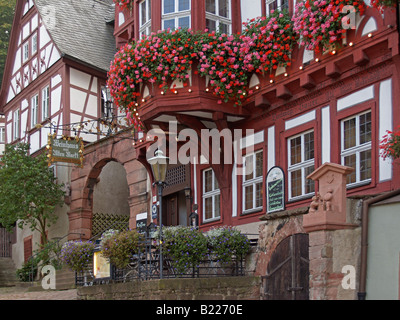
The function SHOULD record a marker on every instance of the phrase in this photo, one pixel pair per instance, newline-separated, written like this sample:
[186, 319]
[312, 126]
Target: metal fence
[146, 266]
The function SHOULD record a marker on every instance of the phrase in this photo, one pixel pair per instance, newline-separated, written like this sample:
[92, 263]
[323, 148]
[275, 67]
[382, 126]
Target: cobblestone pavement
[16, 293]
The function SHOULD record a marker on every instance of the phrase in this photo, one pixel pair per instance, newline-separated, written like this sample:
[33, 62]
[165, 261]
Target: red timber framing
[317, 88]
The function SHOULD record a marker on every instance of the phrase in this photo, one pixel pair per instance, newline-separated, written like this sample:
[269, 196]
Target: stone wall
[224, 288]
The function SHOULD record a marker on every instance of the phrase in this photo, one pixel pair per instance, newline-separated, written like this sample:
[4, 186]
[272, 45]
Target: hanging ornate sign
[66, 149]
[275, 185]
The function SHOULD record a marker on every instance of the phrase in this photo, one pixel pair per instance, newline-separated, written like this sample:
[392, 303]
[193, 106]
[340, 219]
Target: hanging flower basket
[319, 23]
[381, 5]
[267, 42]
[390, 144]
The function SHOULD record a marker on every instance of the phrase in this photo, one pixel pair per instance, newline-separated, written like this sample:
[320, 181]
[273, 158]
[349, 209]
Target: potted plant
[120, 247]
[77, 255]
[226, 243]
[186, 247]
[319, 23]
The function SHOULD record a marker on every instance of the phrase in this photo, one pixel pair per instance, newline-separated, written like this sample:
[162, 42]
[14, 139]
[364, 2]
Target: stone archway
[83, 181]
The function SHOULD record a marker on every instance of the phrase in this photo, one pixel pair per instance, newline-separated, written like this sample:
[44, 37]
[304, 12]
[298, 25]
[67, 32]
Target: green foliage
[49, 255]
[119, 247]
[226, 242]
[77, 255]
[185, 246]
[29, 270]
[7, 8]
[29, 193]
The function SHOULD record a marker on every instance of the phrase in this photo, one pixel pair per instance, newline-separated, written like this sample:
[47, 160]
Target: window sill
[300, 198]
[210, 220]
[250, 211]
[358, 184]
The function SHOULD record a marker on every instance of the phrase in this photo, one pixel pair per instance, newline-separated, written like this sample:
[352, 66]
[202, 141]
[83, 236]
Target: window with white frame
[356, 136]
[253, 182]
[16, 124]
[218, 16]
[45, 103]
[272, 5]
[145, 17]
[34, 110]
[25, 52]
[176, 14]
[300, 164]
[211, 196]
[34, 43]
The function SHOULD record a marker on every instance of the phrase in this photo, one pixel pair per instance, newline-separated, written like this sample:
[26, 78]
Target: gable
[31, 51]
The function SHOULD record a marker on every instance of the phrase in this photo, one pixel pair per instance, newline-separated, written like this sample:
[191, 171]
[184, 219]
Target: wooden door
[288, 270]
[5, 243]
[171, 213]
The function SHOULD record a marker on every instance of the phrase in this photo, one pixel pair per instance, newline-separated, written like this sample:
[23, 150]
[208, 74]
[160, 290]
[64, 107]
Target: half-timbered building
[317, 122]
[326, 107]
[54, 77]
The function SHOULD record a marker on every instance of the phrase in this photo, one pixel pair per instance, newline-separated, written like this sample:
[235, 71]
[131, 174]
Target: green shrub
[120, 247]
[226, 242]
[185, 246]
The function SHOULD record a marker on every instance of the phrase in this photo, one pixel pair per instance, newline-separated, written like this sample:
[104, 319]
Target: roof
[80, 29]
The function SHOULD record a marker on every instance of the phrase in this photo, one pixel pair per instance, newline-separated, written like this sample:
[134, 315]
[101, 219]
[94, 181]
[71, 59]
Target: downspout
[364, 239]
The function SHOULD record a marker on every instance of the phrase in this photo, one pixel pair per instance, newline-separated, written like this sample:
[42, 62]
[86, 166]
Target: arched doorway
[111, 180]
[110, 199]
[287, 275]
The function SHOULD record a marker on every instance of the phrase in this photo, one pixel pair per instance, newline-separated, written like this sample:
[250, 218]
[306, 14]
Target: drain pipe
[364, 239]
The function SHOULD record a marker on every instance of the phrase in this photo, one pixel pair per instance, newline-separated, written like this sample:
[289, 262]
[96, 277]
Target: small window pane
[350, 161]
[365, 165]
[309, 184]
[259, 195]
[169, 24]
[295, 150]
[216, 185]
[208, 208]
[349, 133]
[208, 181]
[184, 23]
[223, 28]
[143, 13]
[217, 206]
[249, 168]
[210, 6]
[223, 8]
[309, 146]
[211, 25]
[365, 128]
[184, 5]
[169, 6]
[295, 179]
[248, 197]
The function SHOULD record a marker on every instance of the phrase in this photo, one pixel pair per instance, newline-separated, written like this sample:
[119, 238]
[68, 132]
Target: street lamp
[159, 164]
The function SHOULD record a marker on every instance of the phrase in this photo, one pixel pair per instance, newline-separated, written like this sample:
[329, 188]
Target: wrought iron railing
[145, 265]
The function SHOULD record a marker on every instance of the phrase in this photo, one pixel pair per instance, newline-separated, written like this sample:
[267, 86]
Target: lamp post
[159, 164]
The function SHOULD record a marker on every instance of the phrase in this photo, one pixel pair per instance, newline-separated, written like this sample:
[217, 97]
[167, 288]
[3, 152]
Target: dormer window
[176, 14]
[218, 16]
[145, 17]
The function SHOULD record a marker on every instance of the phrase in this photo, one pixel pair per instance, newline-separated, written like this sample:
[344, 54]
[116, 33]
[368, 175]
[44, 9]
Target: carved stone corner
[328, 207]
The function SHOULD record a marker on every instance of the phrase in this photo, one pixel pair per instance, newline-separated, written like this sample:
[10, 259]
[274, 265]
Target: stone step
[7, 272]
